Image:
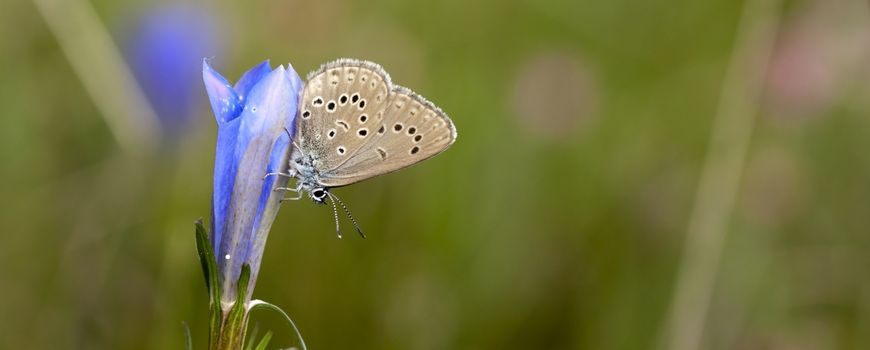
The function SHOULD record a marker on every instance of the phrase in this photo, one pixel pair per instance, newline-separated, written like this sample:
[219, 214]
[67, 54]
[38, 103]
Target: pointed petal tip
[252, 77]
[208, 72]
[266, 64]
[295, 80]
[205, 63]
[224, 101]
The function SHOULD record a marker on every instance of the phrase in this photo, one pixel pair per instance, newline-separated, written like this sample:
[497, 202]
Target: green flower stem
[232, 332]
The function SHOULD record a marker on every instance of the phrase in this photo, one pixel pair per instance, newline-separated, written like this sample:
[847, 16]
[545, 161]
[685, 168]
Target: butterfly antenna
[335, 214]
[349, 215]
[294, 141]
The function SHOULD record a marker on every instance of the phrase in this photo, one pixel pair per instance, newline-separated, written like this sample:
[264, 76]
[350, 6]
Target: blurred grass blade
[253, 337]
[102, 70]
[188, 338]
[265, 341]
[720, 176]
[262, 304]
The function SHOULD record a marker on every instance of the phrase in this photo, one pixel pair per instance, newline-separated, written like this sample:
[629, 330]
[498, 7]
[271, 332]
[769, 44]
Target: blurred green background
[558, 220]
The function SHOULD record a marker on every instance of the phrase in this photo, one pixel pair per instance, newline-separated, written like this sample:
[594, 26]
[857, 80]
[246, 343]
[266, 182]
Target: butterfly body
[304, 169]
[354, 123]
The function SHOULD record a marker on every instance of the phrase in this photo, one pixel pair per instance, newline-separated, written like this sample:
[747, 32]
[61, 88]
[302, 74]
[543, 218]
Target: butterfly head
[318, 195]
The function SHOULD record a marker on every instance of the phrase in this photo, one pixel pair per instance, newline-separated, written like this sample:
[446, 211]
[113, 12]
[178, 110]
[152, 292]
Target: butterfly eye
[343, 99]
[354, 98]
[318, 194]
[330, 106]
[362, 104]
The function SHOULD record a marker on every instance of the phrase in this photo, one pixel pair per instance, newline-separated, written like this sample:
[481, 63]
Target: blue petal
[296, 85]
[270, 104]
[225, 103]
[277, 163]
[225, 168]
[283, 142]
[251, 78]
[278, 158]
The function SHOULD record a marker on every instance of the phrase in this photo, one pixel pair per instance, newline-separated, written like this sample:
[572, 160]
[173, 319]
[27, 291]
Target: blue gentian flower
[164, 48]
[253, 119]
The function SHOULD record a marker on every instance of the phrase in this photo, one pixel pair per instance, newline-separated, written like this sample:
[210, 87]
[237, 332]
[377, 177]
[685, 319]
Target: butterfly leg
[297, 190]
[297, 197]
[278, 174]
[291, 189]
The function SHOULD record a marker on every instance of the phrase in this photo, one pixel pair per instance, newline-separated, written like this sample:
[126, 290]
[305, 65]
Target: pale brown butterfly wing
[412, 130]
[338, 100]
[385, 129]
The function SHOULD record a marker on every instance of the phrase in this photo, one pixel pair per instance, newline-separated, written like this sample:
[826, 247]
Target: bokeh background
[628, 175]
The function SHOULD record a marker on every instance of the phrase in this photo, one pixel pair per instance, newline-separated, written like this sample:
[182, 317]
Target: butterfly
[353, 124]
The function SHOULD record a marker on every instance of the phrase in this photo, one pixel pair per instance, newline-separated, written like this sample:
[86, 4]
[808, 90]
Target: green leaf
[209, 270]
[255, 304]
[265, 341]
[207, 259]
